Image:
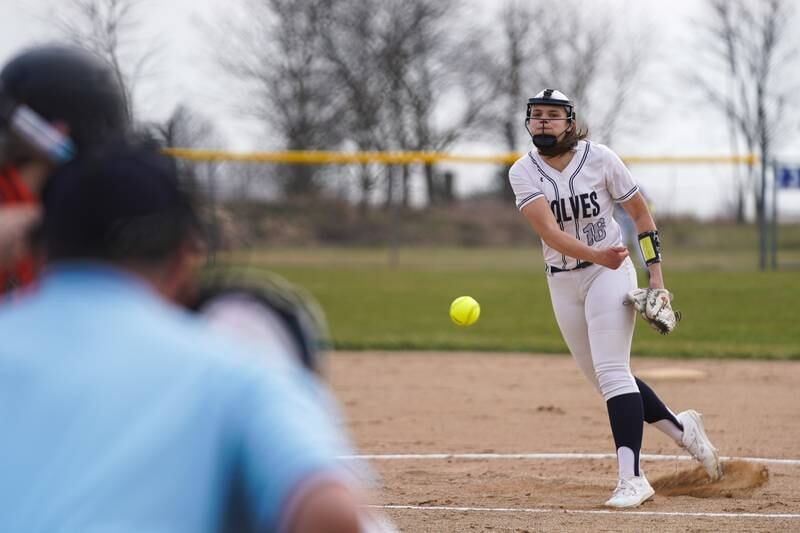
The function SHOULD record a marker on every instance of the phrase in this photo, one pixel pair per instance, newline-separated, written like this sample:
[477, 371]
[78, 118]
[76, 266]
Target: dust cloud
[739, 478]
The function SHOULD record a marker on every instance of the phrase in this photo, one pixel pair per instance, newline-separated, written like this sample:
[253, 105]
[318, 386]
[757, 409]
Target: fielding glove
[655, 307]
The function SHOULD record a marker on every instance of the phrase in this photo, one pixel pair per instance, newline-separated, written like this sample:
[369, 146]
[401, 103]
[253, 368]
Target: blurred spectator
[121, 411]
[55, 101]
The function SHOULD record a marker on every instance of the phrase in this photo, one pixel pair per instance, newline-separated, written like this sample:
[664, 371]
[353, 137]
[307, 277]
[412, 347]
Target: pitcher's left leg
[611, 332]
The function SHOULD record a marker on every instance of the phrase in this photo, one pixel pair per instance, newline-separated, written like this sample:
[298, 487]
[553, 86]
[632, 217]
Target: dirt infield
[502, 408]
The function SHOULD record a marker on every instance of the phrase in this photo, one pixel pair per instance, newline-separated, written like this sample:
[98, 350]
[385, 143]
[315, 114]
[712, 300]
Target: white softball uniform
[587, 301]
[581, 197]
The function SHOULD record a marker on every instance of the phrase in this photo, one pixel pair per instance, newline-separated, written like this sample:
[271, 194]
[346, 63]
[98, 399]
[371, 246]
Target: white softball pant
[597, 328]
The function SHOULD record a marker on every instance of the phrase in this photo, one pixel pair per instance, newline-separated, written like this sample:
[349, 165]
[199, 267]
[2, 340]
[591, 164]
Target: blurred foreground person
[123, 412]
[285, 326]
[55, 101]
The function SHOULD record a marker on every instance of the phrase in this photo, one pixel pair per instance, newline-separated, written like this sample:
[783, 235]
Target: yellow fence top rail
[403, 158]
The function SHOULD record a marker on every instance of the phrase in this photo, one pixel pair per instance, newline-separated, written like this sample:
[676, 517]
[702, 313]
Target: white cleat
[631, 492]
[696, 442]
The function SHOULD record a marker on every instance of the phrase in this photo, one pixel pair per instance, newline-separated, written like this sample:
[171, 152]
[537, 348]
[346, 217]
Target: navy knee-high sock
[626, 414]
[654, 408]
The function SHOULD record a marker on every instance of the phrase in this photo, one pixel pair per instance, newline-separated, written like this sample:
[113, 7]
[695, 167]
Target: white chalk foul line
[582, 511]
[552, 456]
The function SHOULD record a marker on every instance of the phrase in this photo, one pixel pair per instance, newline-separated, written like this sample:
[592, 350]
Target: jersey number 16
[595, 232]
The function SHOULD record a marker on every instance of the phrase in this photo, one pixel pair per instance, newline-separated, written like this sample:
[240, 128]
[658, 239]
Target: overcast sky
[184, 69]
[185, 72]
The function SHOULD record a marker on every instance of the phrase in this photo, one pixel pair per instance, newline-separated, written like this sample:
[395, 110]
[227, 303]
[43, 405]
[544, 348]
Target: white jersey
[581, 197]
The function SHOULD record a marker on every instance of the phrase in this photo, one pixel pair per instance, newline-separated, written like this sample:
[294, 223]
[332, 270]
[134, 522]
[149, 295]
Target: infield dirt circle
[503, 408]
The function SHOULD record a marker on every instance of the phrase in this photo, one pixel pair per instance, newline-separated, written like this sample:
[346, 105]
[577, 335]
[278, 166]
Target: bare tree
[748, 61]
[439, 75]
[369, 74]
[394, 62]
[504, 67]
[617, 91]
[273, 49]
[514, 24]
[110, 29]
[246, 181]
[569, 46]
[572, 52]
[186, 128]
[353, 44]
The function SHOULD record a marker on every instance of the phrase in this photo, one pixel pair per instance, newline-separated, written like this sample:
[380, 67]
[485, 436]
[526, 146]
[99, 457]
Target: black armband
[650, 247]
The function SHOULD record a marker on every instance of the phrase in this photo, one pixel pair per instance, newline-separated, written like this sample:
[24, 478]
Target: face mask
[542, 140]
[558, 147]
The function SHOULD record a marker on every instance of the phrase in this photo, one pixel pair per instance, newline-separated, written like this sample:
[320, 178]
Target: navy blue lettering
[574, 203]
[593, 198]
[585, 206]
[564, 211]
[555, 208]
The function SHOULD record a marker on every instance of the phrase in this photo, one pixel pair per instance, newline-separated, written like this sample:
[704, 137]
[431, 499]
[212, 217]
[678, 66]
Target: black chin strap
[554, 144]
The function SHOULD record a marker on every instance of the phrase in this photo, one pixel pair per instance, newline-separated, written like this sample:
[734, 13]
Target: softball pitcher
[567, 187]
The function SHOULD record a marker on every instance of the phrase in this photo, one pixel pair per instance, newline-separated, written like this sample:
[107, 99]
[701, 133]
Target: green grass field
[373, 302]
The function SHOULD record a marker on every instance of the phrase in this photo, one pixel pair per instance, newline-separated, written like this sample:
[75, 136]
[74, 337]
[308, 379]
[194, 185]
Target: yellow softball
[464, 311]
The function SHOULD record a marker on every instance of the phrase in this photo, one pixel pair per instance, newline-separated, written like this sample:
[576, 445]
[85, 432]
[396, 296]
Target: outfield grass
[371, 305]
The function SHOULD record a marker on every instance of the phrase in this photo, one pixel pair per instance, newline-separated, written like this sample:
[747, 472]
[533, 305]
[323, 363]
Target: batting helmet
[551, 97]
[62, 83]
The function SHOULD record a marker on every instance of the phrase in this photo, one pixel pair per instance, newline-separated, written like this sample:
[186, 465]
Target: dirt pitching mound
[672, 374]
[739, 478]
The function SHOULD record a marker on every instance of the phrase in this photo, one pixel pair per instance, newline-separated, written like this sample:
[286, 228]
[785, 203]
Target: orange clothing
[13, 191]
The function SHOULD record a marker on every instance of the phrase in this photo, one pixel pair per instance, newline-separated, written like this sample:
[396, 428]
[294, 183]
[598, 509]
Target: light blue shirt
[121, 413]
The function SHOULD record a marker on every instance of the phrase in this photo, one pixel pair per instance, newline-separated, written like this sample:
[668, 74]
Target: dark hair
[119, 203]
